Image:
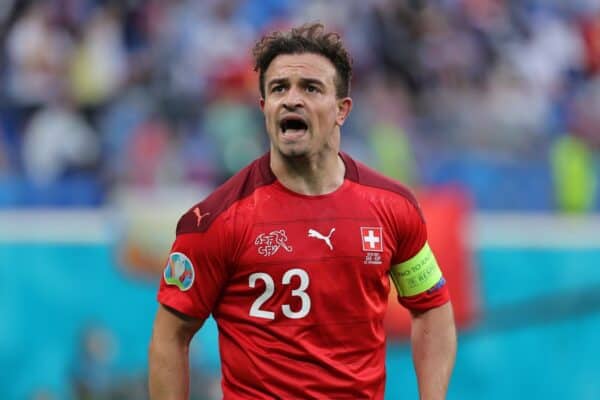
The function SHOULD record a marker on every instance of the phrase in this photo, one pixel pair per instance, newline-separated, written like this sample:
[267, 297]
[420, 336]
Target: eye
[277, 89]
[312, 89]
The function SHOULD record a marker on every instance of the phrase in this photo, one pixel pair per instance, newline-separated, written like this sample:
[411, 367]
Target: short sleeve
[195, 273]
[412, 252]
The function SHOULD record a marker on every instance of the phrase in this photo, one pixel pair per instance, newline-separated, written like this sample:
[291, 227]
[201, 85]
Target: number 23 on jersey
[256, 309]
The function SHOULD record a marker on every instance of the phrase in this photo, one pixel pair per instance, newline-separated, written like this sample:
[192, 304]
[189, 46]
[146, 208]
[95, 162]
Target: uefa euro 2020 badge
[179, 271]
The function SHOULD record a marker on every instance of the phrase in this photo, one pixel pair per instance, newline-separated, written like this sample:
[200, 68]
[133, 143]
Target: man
[293, 255]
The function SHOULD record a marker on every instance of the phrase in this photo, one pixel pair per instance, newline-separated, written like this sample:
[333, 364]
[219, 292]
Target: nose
[293, 99]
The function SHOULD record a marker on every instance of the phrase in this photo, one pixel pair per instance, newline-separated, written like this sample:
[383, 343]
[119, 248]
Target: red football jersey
[298, 285]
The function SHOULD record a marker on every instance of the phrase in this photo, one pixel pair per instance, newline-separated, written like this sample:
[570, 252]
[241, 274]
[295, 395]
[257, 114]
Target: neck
[317, 175]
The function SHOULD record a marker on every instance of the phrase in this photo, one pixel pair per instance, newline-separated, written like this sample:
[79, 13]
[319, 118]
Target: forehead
[305, 65]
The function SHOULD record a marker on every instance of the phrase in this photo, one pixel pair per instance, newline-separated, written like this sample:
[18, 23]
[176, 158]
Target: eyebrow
[277, 81]
[314, 81]
[303, 81]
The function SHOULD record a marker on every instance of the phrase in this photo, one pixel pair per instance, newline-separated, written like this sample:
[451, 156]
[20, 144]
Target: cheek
[268, 114]
[272, 107]
[328, 117]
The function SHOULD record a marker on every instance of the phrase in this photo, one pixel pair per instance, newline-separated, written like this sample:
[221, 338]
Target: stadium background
[115, 116]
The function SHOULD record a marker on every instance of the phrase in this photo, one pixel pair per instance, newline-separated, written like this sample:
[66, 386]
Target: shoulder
[201, 215]
[368, 177]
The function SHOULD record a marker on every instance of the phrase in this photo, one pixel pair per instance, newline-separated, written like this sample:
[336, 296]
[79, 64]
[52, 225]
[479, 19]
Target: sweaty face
[302, 113]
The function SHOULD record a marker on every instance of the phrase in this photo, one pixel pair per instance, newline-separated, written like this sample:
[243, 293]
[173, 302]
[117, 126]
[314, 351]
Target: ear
[344, 106]
[261, 103]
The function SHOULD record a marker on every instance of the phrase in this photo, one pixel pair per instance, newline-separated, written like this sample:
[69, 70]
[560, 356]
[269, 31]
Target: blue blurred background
[116, 116]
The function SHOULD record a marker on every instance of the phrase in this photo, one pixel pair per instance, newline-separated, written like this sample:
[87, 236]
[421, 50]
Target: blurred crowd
[501, 97]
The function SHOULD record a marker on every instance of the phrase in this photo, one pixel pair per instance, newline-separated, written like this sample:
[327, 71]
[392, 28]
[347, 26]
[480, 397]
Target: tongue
[293, 130]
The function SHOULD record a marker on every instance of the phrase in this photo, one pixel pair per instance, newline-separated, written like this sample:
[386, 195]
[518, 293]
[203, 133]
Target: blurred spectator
[585, 117]
[58, 140]
[117, 123]
[237, 130]
[514, 114]
[147, 153]
[98, 67]
[388, 132]
[590, 28]
[550, 49]
[575, 180]
[37, 53]
[396, 37]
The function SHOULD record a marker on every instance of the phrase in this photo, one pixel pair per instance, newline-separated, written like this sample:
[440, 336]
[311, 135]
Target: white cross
[371, 239]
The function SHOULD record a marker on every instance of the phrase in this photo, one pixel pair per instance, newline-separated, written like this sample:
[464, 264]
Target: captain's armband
[416, 275]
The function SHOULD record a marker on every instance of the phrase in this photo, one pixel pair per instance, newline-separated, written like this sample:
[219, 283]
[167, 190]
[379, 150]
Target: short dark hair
[308, 38]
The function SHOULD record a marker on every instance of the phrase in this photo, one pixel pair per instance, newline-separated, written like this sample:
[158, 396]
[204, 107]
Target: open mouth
[292, 124]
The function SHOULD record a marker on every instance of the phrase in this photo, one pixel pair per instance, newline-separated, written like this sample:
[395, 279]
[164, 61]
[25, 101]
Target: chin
[293, 153]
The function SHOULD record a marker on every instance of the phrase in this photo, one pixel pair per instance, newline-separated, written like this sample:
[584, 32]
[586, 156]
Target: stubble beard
[293, 154]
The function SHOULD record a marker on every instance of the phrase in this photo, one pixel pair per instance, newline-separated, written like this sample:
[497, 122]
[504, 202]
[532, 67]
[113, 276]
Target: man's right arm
[169, 354]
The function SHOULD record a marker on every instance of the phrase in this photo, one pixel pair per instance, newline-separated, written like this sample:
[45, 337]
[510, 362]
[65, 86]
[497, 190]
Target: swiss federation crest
[372, 239]
[179, 271]
[269, 244]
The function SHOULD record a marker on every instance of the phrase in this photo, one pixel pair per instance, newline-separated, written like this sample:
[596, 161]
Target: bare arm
[169, 355]
[433, 337]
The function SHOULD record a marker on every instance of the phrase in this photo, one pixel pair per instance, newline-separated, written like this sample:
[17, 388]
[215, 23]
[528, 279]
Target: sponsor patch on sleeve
[179, 271]
[417, 275]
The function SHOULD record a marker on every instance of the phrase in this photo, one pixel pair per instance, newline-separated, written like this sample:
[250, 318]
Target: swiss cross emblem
[372, 239]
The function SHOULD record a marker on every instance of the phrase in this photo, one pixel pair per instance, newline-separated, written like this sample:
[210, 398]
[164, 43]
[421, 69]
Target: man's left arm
[433, 340]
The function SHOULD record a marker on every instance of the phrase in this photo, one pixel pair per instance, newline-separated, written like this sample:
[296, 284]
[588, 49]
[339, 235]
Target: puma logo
[199, 216]
[327, 239]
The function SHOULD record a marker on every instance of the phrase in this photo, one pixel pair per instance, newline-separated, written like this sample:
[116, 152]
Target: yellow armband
[416, 275]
